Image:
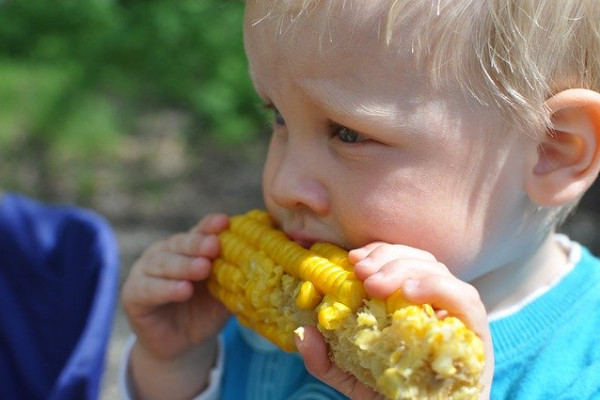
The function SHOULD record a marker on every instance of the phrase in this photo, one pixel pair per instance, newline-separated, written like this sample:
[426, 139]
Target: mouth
[302, 239]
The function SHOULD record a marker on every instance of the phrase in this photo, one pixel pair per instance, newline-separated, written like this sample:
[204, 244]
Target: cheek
[272, 160]
[267, 177]
[433, 217]
[389, 215]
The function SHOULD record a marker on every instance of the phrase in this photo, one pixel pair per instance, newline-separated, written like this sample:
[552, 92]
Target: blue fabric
[58, 287]
[551, 348]
[253, 373]
[548, 350]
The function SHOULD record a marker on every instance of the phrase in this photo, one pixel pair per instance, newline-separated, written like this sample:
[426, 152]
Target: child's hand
[385, 268]
[167, 301]
[315, 353]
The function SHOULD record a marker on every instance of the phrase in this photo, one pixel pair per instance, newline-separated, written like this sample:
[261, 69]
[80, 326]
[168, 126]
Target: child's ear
[568, 158]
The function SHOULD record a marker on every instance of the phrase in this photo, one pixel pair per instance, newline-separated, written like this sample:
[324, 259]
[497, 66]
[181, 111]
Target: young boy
[442, 142]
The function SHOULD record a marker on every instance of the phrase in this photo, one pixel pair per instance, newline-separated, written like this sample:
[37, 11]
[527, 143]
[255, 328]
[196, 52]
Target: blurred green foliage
[75, 74]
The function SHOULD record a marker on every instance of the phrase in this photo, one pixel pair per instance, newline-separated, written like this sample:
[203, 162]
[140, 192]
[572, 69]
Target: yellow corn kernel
[333, 253]
[332, 314]
[402, 350]
[297, 261]
[308, 297]
[395, 301]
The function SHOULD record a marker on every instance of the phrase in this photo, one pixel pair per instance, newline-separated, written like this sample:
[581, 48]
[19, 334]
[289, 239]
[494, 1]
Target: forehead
[329, 40]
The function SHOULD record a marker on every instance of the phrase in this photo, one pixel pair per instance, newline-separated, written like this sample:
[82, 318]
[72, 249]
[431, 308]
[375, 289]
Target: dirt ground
[228, 181]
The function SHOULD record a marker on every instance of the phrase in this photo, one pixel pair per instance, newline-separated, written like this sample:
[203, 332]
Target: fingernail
[378, 276]
[180, 285]
[208, 244]
[364, 263]
[410, 285]
[357, 252]
[198, 262]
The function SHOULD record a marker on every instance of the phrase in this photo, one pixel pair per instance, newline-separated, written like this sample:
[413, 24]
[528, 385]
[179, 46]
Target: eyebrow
[344, 105]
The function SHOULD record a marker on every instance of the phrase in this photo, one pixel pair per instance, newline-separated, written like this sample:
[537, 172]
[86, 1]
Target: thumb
[315, 353]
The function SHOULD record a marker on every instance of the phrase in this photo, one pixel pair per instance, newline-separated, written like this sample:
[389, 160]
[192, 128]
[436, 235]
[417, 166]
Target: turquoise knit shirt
[551, 348]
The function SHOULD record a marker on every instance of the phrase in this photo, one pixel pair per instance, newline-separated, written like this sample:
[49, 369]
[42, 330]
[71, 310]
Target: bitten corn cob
[402, 350]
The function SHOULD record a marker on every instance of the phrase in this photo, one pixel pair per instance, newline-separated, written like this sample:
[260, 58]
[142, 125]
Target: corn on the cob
[402, 350]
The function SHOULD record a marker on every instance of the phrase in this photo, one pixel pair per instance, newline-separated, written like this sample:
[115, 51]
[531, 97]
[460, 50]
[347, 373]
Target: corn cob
[274, 285]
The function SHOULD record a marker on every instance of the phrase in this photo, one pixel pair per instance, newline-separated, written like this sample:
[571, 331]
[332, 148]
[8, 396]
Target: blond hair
[513, 54]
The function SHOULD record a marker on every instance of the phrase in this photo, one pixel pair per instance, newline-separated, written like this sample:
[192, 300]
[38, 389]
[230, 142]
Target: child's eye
[277, 117]
[347, 135]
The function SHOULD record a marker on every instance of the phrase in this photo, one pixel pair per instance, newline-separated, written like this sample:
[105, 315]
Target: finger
[380, 249]
[193, 245]
[458, 298]
[391, 276]
[152, 292]
[356, 255]
[379, 254]
[177, 266]
[212, 224]
[315, 354]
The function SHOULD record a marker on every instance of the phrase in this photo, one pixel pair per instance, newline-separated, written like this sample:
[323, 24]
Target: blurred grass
[79, 77]
[29, 91]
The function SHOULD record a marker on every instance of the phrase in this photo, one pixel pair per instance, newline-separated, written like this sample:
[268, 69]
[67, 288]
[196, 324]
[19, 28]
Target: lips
[302, 239]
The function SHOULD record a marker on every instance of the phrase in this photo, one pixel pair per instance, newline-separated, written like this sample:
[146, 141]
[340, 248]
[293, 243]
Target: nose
[295, 180]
